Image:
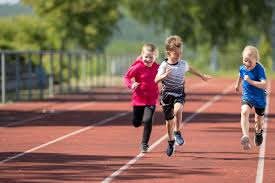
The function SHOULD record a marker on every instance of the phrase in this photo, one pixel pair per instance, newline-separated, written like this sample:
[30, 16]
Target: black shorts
[259, 111]
[168, 101]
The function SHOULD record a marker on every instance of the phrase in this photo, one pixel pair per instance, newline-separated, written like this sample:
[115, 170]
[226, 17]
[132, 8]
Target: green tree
[81, 24]
[24, 33]
[198, 21]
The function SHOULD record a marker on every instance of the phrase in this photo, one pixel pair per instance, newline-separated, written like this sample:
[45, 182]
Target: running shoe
[171, 148]
[144, 148]
[258, 139]
[178, 137]
[245, 143]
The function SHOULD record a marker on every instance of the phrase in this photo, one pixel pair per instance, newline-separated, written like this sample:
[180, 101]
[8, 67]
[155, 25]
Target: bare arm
[202, 76]
[159, 78]
[238, 83]
[259, 84]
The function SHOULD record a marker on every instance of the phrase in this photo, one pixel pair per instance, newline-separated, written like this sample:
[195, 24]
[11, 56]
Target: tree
[271, 4]
[24, 33]
[81, 24]
[216, 21]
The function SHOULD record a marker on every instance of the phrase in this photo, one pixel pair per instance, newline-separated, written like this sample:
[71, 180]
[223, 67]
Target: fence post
[60, 71]
[69, 86]
[17, 76]
[41, 76]
[77, 70]
[3, 77]
[51, 78]
[29, 56]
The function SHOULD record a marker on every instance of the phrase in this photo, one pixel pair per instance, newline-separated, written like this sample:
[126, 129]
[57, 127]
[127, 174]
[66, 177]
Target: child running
[172, 74]
[254, 85]
[145, 91]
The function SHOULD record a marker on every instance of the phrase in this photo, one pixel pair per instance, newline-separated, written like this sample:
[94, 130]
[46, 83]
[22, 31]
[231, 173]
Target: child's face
[249, 60]
[148, 57]
[175, 53]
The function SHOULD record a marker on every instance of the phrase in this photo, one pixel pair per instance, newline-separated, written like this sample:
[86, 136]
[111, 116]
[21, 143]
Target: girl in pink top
[140, 79]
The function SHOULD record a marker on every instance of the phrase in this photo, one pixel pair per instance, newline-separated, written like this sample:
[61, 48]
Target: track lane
[94, 154]
[212, 153]
[269, 158]
[30, 135]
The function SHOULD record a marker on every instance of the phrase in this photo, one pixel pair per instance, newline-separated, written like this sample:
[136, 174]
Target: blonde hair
[254, 52]
[173, 42]
[151, 48]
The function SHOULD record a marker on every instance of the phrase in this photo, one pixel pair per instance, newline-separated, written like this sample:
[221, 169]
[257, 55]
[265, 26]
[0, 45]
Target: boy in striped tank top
[172, 75]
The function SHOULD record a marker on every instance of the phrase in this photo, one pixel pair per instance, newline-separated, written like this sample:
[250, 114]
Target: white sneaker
[245, 141]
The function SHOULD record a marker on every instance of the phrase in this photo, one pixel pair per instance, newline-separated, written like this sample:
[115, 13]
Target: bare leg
[259, 123]
[245, 112]
[170, 129]
[178, 116]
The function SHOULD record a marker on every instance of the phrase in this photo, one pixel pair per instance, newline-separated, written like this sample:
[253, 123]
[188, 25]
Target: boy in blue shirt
[254, 85]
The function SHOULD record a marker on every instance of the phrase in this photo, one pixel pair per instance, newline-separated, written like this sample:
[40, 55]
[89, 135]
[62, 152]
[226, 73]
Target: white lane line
[43, 116]
[164, 137]
[64, 137]
[260, 168]
[197, 85]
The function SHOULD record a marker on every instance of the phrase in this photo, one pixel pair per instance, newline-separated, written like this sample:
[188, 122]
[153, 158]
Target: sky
[9, 1]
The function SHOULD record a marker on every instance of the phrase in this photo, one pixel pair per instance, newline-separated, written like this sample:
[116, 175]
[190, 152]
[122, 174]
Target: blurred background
[63, 46]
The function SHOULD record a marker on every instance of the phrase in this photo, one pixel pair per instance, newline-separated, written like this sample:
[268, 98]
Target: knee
[148, 121]
[245, 113]
[169, 117]
[259, 119]
[176, 112]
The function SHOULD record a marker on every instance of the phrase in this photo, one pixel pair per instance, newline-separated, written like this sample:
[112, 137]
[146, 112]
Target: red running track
[88, 137]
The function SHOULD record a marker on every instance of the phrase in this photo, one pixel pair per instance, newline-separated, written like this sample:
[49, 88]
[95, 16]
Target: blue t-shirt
[256, 96]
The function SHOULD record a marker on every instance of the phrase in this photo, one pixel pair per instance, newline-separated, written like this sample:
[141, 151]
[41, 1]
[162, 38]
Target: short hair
[173, 42]
[254, 51]
[150, 47]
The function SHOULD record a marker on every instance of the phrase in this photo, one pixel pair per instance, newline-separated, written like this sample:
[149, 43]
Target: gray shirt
[173, 84]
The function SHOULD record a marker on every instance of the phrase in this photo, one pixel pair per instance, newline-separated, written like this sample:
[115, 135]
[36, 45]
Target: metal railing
[33, 75]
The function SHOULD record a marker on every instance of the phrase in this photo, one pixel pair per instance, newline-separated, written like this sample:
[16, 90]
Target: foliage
[24, 33]
[125, 42]
[216, 21]
[81, 24]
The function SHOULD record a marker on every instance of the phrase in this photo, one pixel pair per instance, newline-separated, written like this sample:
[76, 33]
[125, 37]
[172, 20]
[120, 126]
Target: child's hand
[167, 71]
[246, 78]
[206, 77]
[134, 85]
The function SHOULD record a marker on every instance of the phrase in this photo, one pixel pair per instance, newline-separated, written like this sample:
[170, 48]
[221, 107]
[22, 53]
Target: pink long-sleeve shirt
[147, 91]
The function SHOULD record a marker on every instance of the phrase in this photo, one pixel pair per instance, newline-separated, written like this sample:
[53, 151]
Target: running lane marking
[64, 137]
[260, 168]
[140, 155]
[70, 134]
[42, 116]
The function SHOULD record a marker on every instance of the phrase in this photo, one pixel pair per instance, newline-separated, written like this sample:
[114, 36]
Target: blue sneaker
[178, 137]
[171, 148]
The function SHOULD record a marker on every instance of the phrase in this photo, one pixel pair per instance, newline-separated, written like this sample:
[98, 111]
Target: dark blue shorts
[259, 111]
